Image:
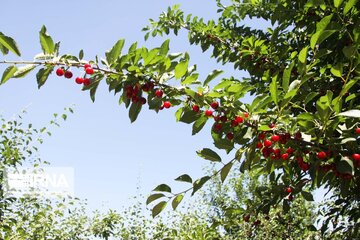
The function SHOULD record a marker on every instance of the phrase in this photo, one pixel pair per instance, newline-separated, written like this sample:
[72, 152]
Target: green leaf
[9, 44]
[286, 76]
[199, 183]
[225, 171]
[212, 76]
[115, 51]
[222, 143]
[46, 42]
[307, 196]
[162, 188]
[264, 128]
[349, 5]
[149, 56]
[323, 107]
[355, 113]
[23, 71]
[345, 166]
[164, 48]
[154, 197]
[184, 178]
[348, 85]
[209, 154]
[314, 39]
[178, 114]
[310, 97]
[177, 200]
[158, 208]
[134, 111]
[3, 50]
[303, 55]
[337, 70]
[199, 124]
[8, 73]
[273, 89]
[305, 116]
[324, 35]
[190, 79]
[189, 116]
[234, 88]
[337, 3]
[81, 54]
[323, 23]
[43, 75]
[181, 69]
[349, 51]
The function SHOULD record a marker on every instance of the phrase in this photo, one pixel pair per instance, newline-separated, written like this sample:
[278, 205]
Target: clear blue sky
[110, 156]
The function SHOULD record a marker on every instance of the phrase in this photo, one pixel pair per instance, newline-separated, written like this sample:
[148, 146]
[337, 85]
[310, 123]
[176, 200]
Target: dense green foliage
[300, 128]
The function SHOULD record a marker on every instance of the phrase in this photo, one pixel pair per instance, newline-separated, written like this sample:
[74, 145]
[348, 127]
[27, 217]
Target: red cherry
[79, 80]
[135, 99]
[68, 74]
[223, 118]
[346, 176]
[142, 100]
[257, 222]
[271, 125]
[136, 89]
[267, 143]
[196, 108]
[275, 138]
[321, 155]
[304, 166]
[277, 154]
[261, 136]
[357, 163]
[356, 156]
[234, 123]
[298, 136]
[259, 145]
[357, 130]
[290, 150]
[267, 151]
[89, 70]
[230, 136]
[147, 86]
[288, 189]
[87, 65]
[214, 105]
[285, 156]
[239, 119]
[86, 81]
[60, 72]
[217, 127]
[159, 93]
[208, 112]
[167, 104]
[246, 115]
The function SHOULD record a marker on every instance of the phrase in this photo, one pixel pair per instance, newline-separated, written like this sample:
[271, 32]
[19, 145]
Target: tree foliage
[300, 127]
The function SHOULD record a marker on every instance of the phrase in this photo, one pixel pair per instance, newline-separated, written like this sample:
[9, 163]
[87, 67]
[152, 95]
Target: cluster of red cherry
[134, 93]
[221, 119]
[79, 80]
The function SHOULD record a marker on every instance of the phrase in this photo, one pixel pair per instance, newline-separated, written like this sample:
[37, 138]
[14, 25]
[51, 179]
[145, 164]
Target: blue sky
[111, 156]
